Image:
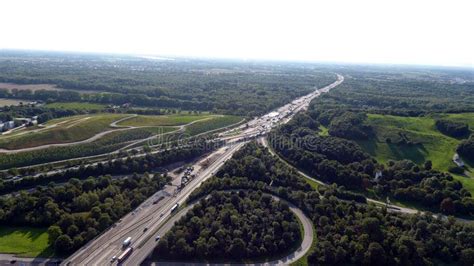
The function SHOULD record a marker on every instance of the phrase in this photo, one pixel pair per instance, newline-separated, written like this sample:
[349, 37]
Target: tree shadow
[370, 146]
[412, 152]
[27, 232]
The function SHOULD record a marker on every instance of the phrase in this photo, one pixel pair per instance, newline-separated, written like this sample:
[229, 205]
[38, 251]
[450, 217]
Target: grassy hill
[64, 130]
[422, 141]
[114, 140]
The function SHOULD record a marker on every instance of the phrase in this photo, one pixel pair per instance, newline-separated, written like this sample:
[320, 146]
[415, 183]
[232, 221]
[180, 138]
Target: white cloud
[414, 32]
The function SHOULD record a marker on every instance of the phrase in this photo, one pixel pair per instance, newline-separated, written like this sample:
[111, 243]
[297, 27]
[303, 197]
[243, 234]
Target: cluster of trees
[44, 114]
[350, 125]
[232, 225]
[78, 210]
[331, 159]
[406, 181]
[451, 128]
[341, 161]
[392, 91]
[340, 123]
[360, 235]
[348, 232]
[119, 166]
[466, 148]
[253, 168]
[225, 87]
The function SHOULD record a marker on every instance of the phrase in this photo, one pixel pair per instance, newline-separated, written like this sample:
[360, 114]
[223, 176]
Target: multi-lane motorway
[149, 220]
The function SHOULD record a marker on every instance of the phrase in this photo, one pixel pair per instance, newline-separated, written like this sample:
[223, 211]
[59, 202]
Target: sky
[395, 32]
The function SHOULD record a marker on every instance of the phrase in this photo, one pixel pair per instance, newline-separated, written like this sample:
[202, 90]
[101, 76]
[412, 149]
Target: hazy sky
[412, 32]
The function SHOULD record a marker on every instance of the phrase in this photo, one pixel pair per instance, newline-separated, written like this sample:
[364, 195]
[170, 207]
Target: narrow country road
[390, 207]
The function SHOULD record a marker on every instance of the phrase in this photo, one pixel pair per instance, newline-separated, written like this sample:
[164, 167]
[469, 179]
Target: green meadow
[425, 142]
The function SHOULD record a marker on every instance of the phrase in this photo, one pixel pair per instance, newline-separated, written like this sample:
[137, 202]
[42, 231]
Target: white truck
[127, 242]
[175, 207]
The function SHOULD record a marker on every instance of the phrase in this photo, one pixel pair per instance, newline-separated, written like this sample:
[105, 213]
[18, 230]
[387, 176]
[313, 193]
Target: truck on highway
[175, 207]
[127, 242]
[124, 255]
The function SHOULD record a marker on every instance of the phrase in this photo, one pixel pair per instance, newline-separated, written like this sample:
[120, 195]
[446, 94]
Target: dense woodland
[401, 91]
[347, 232]
[127, 165]
[451, 128]
[437, 191]
[337, 160]
[80, 209]
[466, 148]
[219, 86]
[232, 225]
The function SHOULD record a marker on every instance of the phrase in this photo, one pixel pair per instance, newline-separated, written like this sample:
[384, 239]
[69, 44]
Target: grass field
[212, 124]
[323, 131]
[76, 105]
[162, 120]
[430, 144]
[25, 242]
[62, 130]
[108, 142]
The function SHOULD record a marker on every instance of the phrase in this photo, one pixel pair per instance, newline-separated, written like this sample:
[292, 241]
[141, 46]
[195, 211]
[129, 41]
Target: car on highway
[157, 238]
[113, 258]
[145, 229]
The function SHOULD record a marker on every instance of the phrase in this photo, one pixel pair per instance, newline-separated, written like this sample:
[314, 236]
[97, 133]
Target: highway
[148, 220]
[147, 215]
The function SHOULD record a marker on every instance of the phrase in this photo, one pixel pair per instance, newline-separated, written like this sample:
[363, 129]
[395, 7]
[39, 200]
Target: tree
[63, 244]
[447, 206]
[54, 232]
[237, 249]
[467, 257]
[104, 221]
[375, 254]
[428, 165]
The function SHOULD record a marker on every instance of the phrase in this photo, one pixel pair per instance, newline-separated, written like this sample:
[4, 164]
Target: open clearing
[428, 142]
[162, 120]
[36, 87]
[76, 105]
[9, 102]
[31, 87]
[25, 241]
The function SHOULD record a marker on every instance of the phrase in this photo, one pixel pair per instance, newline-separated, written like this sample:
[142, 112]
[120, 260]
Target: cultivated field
[36, 87]
[8, 102]
[76, 105]
[31, 87]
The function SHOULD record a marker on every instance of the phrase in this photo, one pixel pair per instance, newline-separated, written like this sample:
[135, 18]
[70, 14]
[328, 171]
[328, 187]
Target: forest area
[225, 87]
[347, 232]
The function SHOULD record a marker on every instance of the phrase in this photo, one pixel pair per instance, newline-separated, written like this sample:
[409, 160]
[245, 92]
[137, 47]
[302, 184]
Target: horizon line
[163, 57]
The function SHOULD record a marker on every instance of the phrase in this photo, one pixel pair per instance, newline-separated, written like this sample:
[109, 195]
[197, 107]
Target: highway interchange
[157, 218]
